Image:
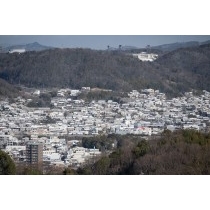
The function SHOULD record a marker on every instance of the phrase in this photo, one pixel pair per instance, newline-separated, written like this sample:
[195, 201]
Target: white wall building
[17, 51]
[143, 56]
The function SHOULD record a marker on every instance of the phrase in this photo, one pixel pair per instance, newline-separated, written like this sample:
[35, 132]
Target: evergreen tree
[7, 166]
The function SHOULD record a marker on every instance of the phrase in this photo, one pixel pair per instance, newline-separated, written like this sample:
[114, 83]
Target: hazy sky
[99, 41]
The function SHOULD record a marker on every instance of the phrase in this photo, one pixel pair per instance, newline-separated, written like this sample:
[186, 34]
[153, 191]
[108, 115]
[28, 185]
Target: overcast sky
[99, 41]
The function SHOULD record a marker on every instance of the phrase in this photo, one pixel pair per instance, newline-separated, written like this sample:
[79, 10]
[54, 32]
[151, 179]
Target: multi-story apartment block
[34, 153]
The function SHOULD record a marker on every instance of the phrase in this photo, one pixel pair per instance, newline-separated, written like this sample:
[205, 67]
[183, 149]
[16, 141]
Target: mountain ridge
[185, 69]
[35, 46]
[177, 45]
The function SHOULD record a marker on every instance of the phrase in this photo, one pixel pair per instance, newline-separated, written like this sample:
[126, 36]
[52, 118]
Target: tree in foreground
[7, 166]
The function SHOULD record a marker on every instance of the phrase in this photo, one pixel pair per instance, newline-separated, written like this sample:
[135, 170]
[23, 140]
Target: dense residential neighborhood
[144, 113]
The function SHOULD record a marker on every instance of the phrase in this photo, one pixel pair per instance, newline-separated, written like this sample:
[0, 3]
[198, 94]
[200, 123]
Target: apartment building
[34, 153]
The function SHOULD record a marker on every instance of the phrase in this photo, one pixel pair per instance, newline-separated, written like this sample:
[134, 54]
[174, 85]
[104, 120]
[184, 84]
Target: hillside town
[145, 113]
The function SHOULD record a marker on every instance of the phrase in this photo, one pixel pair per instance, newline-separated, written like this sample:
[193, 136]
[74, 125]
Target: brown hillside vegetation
[183, 152]
[173, 73]
[7, 89]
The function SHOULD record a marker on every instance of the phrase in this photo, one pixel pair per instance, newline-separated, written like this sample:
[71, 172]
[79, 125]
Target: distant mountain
[178, 45]
[187, 68]
[129, 48]
[175, 72]
[74, 68]
[175, 46]
[133, 49]
[160, 49]
[206, 42]
[28, 47]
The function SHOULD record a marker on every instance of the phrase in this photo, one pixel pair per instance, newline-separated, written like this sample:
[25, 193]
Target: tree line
[184, 152]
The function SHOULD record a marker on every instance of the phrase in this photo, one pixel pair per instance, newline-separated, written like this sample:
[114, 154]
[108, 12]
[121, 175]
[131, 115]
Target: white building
[143, 56]
[17, 51]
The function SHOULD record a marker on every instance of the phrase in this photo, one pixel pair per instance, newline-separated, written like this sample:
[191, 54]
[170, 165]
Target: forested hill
[174, 72]
[7, 90]
[187, 68]
[76, 68]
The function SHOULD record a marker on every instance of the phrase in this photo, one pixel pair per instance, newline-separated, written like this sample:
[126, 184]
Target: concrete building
[34, 153]
[143, 56]
[17, 51]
